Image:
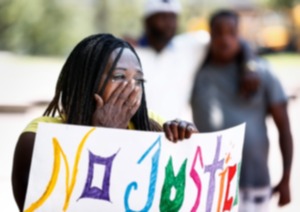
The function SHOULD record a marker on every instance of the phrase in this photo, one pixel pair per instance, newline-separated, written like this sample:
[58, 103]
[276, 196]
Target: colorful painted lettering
[94, 192]
[178, 182]
[153, 178]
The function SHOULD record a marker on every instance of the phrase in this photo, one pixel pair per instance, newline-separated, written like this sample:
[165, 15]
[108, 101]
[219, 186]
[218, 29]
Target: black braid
[80, 78]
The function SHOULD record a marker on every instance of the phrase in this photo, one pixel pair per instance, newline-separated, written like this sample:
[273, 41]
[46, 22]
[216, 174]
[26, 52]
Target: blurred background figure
[169, 62]
[160, 23]
[219, 102]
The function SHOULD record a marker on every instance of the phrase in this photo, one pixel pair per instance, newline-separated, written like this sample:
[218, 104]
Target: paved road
[29, 81]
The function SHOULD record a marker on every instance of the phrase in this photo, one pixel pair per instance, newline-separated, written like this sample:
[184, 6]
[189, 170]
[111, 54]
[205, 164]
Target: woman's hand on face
[119, 108]
[178, 130]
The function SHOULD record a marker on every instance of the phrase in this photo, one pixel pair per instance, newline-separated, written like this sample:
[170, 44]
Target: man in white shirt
[169, 62]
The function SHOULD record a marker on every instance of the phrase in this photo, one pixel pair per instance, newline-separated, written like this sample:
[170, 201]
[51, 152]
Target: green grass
[284, 59]
[286, 67]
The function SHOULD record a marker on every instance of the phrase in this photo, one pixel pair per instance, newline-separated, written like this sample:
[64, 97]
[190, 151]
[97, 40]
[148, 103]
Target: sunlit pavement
[25, 83]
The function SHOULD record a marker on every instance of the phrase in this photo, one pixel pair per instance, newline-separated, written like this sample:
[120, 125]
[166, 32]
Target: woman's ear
[99, 101]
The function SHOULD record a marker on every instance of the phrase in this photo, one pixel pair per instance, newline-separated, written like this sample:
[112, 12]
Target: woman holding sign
[101, 84]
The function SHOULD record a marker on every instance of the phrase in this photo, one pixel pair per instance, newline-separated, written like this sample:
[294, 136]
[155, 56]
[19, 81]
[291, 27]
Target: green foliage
[282, 4]
[53, 27]
[41, 26]
[119, 17]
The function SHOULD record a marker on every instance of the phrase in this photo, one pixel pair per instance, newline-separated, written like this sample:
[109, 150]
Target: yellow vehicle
[265, 30]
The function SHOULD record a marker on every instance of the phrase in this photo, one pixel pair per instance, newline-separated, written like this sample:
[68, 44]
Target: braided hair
[80, 78]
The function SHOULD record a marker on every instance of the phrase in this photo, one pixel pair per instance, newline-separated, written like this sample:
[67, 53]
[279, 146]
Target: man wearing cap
[169, 62]
[160, 23]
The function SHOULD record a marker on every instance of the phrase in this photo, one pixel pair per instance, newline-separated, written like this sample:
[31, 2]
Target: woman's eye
[140, 81]
[118, 77]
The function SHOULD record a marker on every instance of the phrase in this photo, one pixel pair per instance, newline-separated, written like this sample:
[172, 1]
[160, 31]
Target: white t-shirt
[170, 74]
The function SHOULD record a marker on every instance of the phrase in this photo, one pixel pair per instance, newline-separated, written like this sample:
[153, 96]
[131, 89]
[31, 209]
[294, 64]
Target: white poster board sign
[76, 168]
